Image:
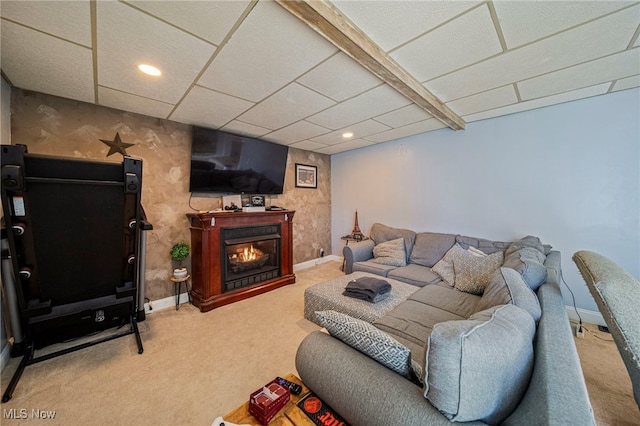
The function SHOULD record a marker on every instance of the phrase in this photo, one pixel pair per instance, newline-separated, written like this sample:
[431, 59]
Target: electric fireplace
[239, 255]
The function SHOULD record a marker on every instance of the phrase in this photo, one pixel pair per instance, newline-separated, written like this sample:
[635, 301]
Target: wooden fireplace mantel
[206, 292]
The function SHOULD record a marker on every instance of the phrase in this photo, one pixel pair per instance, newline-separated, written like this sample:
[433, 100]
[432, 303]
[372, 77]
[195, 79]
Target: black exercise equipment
[72, 256]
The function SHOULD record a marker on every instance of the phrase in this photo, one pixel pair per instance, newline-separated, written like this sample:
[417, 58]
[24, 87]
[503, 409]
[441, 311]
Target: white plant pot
[180, 273]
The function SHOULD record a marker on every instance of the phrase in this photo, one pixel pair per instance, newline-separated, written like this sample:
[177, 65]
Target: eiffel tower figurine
[356, 234]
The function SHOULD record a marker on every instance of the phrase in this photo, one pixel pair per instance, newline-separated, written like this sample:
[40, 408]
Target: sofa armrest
[357, 252]
[360, 389]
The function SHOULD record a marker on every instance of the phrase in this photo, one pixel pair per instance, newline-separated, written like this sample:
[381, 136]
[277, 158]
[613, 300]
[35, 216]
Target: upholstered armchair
[617, 294]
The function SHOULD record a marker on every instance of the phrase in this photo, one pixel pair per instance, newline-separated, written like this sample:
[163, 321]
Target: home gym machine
[73, 255]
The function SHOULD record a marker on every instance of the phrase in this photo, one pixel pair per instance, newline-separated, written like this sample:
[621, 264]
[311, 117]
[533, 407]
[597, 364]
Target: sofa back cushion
[529, 262]
[430, 247]
[381, 233]
[508, 287]
[487, 246]
[479, 369]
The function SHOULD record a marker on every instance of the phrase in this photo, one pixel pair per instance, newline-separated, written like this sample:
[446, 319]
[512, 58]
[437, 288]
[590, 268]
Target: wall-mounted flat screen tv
[226, 163]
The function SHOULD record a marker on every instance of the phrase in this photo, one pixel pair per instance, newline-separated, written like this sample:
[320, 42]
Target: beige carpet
[196, 366]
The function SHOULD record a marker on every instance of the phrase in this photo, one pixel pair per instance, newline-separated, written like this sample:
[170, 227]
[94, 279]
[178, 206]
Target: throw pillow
[474, 273]
[390, 253]
[369, 340]
[479, 369]
[508, 287]
[444, 267]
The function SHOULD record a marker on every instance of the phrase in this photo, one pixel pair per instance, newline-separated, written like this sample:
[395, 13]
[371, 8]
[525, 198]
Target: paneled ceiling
[256, 68]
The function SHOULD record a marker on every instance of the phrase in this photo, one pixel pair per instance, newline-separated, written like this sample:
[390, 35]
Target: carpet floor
[197, 366]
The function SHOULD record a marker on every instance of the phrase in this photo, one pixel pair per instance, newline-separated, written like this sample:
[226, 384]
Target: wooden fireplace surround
[206, 292]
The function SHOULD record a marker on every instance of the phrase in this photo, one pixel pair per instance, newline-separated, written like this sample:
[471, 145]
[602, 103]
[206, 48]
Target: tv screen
[225, 163]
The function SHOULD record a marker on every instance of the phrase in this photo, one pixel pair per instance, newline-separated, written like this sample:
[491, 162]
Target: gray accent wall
[568, 173]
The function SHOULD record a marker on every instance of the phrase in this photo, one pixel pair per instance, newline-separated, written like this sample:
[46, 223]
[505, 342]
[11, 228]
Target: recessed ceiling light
[347, 135]
[149, 69]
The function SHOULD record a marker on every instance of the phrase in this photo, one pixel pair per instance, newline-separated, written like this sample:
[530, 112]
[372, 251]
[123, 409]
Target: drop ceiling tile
[369, 104]
[539, 103]
[308, 145]
[403, 116]
[132, 103]
[584, 43]
[296, 132]
[391, 23]
[177, 54]
[610, 68]
[409, 130]
[69, 20]
[211, 20]
[340, 78]
[627, 83]
[245, 129]
[463, 41]
[269, 49]
[208, 108]
[526, 21]
[359, 130]
[346, 146]
[286, 106]
[490, 99]
[36, 61]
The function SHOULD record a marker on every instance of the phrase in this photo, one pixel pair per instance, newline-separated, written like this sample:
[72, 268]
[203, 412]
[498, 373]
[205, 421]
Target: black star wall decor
[116, 145]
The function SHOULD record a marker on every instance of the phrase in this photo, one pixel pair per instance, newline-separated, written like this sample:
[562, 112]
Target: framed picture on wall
[306, 176]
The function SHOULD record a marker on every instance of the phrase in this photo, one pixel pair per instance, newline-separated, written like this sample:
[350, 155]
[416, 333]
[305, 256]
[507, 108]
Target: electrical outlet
[580, 332]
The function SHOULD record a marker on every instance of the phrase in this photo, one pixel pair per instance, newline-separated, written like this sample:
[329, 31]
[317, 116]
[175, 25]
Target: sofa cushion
[413, 321]
[368, 339]
[447, 299]
[529, 262]
[487, 246]
[508, 287]
[415, 274]
[444, 267]
[430, 247]
[474, 273]
[479, 369]
[381, 233]
[372, 268]
[390, 253]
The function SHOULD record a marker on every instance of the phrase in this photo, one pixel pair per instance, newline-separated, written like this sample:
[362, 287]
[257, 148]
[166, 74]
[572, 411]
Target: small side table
[177, 287]
[346, 239]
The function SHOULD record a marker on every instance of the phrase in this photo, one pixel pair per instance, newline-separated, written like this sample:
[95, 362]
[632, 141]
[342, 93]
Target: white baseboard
[170, 302]
[592, 317]
[309, 263]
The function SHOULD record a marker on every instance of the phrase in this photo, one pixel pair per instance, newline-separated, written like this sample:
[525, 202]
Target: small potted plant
[179, 252]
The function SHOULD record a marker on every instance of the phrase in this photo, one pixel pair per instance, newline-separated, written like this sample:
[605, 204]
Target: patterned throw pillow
[369, 340]
[391, 253]
[473, 273]
[444, 267]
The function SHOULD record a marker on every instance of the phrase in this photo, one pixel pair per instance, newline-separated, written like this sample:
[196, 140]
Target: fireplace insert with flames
[251, 255]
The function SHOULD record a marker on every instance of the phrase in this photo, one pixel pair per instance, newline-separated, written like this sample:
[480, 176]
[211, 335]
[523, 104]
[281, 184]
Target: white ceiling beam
[327, 20]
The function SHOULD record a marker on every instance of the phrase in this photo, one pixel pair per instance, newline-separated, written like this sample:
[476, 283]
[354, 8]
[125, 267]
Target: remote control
[293, 387]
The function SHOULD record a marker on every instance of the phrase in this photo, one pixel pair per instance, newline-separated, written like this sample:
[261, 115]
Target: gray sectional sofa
[503, 355]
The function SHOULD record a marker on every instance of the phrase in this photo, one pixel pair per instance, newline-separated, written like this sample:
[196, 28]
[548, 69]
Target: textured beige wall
[56, 126]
